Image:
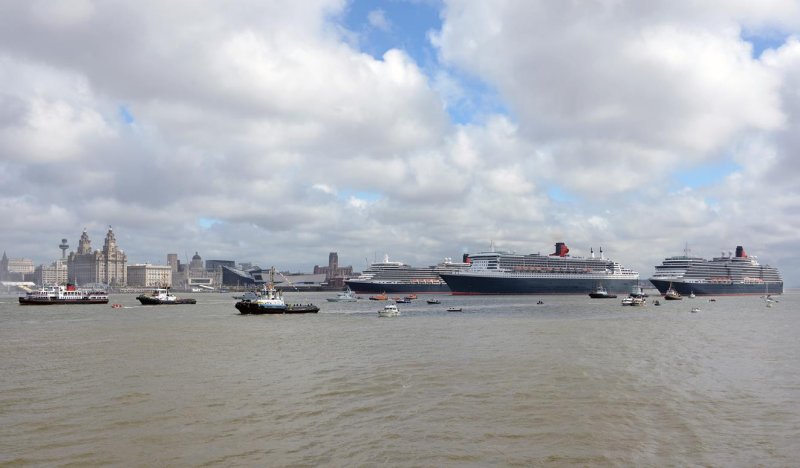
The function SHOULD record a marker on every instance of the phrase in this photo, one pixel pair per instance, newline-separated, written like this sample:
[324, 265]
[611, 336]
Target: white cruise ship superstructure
[730, 274]
[398, 277]
[557, 273]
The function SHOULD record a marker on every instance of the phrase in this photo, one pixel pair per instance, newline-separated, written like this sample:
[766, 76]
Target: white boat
[635, 298]
[63, 295]
[390, 310]
[634, 301]
[695, 310]
[454, 309]
[344, 296]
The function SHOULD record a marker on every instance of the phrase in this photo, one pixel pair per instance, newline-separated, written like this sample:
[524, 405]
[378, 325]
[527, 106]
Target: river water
[571, 382]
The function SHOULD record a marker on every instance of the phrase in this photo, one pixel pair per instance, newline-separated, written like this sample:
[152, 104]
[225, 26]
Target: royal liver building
[108, 266]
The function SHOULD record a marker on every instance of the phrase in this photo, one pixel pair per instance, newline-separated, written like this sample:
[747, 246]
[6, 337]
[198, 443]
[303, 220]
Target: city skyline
[277, 132]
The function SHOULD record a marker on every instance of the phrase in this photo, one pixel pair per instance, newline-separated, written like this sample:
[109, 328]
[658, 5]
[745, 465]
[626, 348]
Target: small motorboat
[695, 310]
[389, 310]
[344, 296]
[454, 309]
[402, 301]
[434, 301]
[657, 303]
[379, 297]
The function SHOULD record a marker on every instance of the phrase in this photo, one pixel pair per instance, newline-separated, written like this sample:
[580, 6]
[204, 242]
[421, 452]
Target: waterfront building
[4, 267]
[195, 276]
[16, 269]
[108, 266]
[214, 264]
[172, 261]
[334, 275]
[145, 275]
[55, 273]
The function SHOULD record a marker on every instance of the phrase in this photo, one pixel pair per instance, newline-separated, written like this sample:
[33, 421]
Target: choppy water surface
[574, 381]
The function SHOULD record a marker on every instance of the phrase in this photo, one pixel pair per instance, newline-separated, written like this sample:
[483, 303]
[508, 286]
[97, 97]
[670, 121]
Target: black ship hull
[602, 296]
[51, 301]
[253, 308]
[363, 287]
[461, 284]
[719, 289]
[145, 300]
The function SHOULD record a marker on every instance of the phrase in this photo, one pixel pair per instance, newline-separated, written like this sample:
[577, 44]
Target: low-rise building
[55, 273]
[145, 275]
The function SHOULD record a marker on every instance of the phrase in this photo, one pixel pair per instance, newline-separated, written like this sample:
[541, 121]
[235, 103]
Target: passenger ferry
[724, 275]
[68, 294]
[498, 272]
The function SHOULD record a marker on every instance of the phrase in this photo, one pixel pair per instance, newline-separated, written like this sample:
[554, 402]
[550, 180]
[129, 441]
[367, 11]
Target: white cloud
[377, 19]
[265, 117]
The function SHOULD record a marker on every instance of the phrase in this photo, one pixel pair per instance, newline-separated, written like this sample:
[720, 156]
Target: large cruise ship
[397, 277]
[723, 275]
[557, 273]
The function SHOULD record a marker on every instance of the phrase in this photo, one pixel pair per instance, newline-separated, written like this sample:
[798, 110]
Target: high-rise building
[334, 275]
[4, 267]
[333, 263]
[107, 266]
[172, 261]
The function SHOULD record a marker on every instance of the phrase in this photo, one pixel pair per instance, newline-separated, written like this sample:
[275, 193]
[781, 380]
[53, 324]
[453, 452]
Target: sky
[274, 132]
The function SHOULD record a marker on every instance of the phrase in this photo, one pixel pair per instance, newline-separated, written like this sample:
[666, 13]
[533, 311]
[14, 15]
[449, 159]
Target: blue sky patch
[706, 174]
[345, 194]
[405, 27]
[125, 114]
[206, 223]
[558, 194]
[764, 40]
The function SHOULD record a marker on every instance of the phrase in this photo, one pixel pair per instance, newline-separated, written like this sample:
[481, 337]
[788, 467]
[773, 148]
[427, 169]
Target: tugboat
[162, 296]
[601, 293]
[68, 294]
[672, 294]
[271, 302]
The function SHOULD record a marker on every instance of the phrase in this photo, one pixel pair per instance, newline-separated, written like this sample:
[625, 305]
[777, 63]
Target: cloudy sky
[278, 131]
